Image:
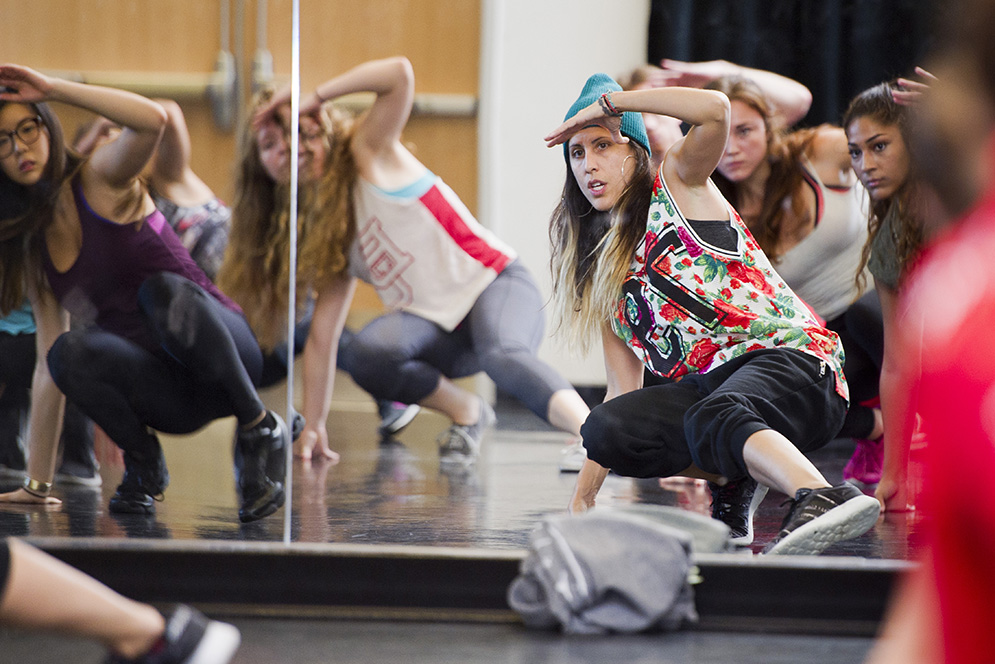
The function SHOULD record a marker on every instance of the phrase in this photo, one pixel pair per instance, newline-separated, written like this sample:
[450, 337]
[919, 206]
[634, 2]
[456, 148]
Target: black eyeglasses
[28, 130]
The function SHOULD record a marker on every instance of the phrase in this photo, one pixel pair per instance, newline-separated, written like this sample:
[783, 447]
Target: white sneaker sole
[758, 497]
[402, 421]
[217, 646]
[851, 519]
[572, 459]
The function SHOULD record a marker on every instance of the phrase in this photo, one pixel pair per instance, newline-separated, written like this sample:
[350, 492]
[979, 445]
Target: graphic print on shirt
[662, 250]
[387, 263]
[688, 305]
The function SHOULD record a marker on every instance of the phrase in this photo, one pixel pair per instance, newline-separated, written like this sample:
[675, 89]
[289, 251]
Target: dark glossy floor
[364, 642]
[394, 492]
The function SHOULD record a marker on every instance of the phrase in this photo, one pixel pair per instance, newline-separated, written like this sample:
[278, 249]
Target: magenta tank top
[102, 285]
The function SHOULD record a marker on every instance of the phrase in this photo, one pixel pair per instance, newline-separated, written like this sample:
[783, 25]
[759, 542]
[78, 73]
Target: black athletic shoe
[734, 504]
[821, 517]
[189, 638]
[13, 463]
[260, 464]
[145, 479]
[394, 416]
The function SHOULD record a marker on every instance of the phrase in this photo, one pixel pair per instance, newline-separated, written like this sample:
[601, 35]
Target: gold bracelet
[36, 488]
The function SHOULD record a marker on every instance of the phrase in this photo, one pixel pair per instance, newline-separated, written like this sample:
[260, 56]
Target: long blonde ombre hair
[256, 269]
[592, 252]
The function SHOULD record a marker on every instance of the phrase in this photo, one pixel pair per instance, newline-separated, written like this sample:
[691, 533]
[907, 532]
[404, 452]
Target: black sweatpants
[205, 368]
[705, 419]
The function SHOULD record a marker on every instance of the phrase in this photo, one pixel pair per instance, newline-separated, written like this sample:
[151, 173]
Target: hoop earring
[627, 158]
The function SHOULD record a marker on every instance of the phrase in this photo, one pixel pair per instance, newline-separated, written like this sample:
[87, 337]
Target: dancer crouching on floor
[458, 300]
[688, 294]
[163, 348]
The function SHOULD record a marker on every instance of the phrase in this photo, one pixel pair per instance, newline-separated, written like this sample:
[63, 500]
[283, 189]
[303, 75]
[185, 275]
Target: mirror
[208, 57]
[480, 100]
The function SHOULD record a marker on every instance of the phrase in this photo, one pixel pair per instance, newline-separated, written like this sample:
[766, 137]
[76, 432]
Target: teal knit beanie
[632, 123]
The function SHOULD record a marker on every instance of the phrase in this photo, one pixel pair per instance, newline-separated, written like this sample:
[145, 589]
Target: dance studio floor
[394, 491]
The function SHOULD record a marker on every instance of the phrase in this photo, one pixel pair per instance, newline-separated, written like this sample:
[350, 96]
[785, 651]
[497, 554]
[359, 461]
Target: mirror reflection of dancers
[164, 349]
[459, 301]
[688, 293]
[261, 186]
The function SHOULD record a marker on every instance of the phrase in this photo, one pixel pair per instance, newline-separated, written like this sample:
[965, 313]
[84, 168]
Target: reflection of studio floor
[394, 492]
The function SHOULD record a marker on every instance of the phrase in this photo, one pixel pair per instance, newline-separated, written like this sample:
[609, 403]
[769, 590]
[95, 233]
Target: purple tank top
[102, 285]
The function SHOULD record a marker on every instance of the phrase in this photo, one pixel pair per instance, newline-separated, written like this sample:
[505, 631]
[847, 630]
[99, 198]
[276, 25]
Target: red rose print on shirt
[670, 313]
[732, 316]
[702, 353]
[750, 275]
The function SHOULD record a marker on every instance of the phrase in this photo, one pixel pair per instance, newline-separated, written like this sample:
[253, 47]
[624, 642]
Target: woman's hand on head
[912, 91]
[23, 84]
[270, 111]
[22, 497]
[586, 117]
[313, 443]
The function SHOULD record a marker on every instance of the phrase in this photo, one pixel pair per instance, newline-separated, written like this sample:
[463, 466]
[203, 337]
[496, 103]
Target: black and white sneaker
[189, 638]
[394, 416]
[459, 445]
[821, 517]
[734, 504]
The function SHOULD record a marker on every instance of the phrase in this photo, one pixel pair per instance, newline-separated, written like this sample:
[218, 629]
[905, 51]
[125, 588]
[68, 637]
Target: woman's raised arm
[142, 120]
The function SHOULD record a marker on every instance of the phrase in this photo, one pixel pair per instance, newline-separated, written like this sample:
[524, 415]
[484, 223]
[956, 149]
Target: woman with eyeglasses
[162, 347]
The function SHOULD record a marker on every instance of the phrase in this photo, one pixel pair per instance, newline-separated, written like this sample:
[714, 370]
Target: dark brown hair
[26, 211]
[878, 104]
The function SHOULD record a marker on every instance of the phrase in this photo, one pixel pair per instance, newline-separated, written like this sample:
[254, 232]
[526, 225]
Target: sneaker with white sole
[460, 443]
[573, 456]
[819, 518]
[734, 504]
[189, 638]
[394, 416]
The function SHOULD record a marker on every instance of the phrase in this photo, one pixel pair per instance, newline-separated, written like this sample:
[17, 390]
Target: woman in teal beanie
[663, 268]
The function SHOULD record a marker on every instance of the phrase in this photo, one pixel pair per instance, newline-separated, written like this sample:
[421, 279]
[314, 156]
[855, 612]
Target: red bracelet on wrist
[607, 106]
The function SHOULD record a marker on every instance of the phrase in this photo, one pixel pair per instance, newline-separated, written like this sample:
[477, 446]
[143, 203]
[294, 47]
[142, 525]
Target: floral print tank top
[700, 293]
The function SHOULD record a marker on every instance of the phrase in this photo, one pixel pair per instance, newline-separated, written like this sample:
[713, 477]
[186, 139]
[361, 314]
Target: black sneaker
[189, 638]
[459, 445]
[734, 504]
[145, 478]
[260, 466]
[821, 517]
[13, 464]
[394, 416]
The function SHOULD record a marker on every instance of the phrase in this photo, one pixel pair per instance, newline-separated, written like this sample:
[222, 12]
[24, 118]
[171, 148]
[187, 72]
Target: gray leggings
[401, 357]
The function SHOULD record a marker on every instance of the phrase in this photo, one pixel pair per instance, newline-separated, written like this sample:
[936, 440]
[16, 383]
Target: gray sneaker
[573, 456]
[460, 443]
[821, 517]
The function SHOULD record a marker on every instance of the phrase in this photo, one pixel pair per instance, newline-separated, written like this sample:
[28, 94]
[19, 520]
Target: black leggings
[205, 368]
[401, 357]
[17, 366]
[861, 331]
